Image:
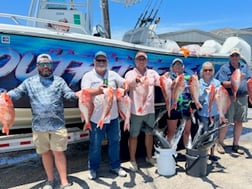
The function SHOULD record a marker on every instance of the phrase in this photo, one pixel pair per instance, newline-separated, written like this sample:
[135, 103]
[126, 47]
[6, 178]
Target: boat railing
[59, 26]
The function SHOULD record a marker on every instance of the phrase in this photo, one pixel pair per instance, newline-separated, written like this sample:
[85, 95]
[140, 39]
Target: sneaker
[92, 175]
[220, 148]
[67, 186]
[133, 166]
[150, 161]
[48, 185]
[119, 172]
[213, 158]
[236, 149]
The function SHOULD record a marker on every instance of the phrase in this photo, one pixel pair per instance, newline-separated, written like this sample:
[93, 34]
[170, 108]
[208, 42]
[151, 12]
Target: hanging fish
[108, 94]
[86, 107]
[235, 82]
[7, 112]
[249, 86]
[166, 85]
[223, 102]
[177, 89]
[194, 88]
[124, 107]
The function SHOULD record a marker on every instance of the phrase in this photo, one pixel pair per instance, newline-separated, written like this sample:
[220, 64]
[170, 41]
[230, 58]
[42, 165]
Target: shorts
[177, 114]
[51, 140]
[238, 110]
[141, 123]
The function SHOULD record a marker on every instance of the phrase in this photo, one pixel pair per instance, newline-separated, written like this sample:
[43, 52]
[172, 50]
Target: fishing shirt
[225, 73]
[153, 80]
[93, 80]
[46, 96]
[204, 98]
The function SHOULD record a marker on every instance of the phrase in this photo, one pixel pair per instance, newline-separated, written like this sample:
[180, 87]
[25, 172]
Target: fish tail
[198, 105]
[126, 126]
[100, 123]
[174, 106]
[123, 116]
[82, 117]
[5, 130]
[169, 113]
[234, 98]
[87, 126]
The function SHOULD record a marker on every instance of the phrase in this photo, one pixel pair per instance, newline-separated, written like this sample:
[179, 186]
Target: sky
[174, 15]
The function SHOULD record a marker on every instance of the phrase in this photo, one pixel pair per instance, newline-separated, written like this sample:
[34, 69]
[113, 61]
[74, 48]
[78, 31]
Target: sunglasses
[43, 64]
[140, 59]
[208, 70]
[100, 60]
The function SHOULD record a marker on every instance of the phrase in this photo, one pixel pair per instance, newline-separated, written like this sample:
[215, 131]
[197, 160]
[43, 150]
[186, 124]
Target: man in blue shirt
[46, 93]
[237, 113]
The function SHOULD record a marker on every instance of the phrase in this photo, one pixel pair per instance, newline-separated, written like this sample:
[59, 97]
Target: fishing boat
[64, 29]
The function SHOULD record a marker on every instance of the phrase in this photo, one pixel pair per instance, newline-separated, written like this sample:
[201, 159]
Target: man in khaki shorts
[46, 93]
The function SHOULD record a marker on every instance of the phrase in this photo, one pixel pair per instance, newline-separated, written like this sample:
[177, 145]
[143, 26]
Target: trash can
[196, 162]
[166, 162]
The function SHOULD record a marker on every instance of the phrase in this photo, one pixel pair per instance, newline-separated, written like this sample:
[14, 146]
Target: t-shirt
[153, 80]
[93, 80]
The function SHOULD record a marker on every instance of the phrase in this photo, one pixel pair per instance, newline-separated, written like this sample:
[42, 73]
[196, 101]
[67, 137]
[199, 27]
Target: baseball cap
[234, 51]
[177, 60]
[101, 53]
[44, 56]
[138, 54]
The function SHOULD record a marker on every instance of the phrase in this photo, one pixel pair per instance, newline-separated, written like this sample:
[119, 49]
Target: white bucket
[166, 164]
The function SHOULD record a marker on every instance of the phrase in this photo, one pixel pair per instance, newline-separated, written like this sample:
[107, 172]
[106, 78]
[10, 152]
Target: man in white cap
[46, 93]
[141, 81]
[237, 113]
[94, 82]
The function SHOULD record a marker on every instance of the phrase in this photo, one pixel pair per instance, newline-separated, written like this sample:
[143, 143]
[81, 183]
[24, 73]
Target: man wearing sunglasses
[94, 82]
[237, 113]
[46, 93]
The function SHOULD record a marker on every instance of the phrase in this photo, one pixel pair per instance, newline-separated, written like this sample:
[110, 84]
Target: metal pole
[106, 21]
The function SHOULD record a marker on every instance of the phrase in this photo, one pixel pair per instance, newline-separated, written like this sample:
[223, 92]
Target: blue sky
[175, 15]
